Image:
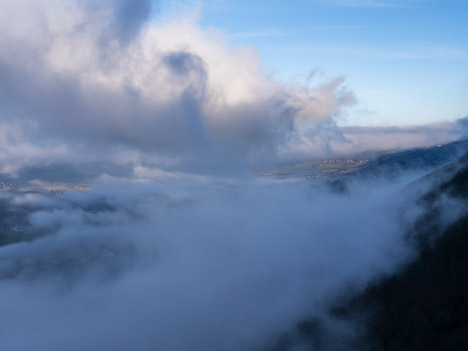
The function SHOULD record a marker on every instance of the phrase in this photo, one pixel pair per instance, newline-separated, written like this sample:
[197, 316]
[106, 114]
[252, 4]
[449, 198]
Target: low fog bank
[193, 263]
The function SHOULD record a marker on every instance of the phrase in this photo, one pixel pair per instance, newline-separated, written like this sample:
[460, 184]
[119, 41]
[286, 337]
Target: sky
[208, 86]
[406, 61]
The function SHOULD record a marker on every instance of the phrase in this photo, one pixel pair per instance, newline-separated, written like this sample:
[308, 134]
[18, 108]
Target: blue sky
[406, 61]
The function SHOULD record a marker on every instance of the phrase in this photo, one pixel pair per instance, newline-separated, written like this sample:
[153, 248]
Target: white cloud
[167, 87]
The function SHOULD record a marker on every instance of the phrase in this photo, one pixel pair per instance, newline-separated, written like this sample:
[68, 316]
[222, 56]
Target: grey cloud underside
[65, 108]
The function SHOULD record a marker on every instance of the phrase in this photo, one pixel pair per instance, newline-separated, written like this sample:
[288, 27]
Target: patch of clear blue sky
[406, 61]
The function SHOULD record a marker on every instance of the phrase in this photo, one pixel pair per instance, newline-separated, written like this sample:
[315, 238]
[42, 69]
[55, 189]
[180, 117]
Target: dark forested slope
[425, 306]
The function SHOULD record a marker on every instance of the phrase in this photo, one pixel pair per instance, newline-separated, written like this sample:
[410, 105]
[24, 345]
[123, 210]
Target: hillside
[424, 306]
[365, 165]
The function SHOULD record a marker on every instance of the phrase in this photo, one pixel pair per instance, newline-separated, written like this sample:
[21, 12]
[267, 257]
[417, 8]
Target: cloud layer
[189, 264]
